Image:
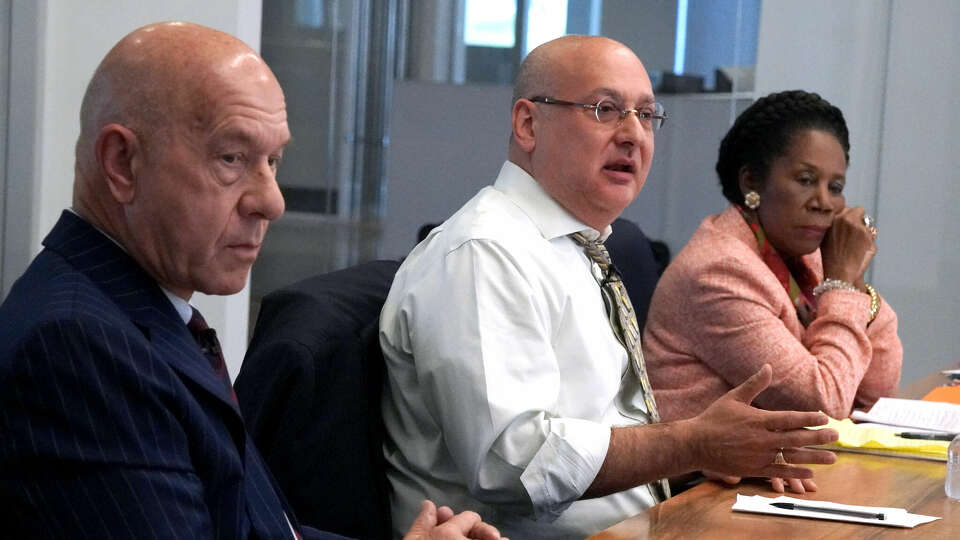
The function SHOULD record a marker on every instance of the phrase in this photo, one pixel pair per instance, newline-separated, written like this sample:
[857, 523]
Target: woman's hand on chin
[848, 247]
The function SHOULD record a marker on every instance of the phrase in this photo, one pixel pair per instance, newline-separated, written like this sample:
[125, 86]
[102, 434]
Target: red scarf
[796, 277]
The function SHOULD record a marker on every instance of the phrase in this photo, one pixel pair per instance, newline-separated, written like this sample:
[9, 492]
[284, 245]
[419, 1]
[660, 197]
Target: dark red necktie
[207, 339]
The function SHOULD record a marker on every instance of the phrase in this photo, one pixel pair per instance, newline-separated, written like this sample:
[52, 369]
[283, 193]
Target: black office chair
[309, 391]
[634, 256]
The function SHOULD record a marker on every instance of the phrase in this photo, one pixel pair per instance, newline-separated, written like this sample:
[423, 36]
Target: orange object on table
[946, 394]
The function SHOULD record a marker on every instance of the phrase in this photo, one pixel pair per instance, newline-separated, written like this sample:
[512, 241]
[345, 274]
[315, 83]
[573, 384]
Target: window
[546, 20]
[490, 23]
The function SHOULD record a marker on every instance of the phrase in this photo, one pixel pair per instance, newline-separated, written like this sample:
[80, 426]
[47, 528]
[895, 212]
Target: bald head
[542, 70]
[593, 169]
[150, 75]
[182, 128]
[547, 68]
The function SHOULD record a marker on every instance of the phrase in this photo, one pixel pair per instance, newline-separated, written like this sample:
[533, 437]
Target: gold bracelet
[874, 302]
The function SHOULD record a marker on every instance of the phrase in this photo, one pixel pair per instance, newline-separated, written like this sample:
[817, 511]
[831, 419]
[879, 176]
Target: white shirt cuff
[565, 465]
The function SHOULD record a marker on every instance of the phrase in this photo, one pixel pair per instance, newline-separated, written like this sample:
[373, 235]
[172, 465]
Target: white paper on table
[913, 413]
[893, 517]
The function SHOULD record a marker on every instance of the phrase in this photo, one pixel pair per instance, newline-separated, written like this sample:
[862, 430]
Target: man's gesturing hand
[733, 438]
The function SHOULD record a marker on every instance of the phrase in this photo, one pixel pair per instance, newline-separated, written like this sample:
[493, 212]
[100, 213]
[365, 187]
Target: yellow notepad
[883, 441]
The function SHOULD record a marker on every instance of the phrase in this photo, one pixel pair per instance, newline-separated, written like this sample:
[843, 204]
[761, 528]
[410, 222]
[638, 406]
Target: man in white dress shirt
[503, 369]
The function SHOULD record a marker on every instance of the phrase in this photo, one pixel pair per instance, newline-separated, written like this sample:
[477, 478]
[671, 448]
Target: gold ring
[778, 459]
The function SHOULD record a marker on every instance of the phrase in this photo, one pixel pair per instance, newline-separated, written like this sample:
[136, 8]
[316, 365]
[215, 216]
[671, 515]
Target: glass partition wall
[334, 60]
[433, 77]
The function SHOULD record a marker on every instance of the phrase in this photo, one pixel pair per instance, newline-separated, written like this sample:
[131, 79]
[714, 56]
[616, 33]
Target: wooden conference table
[704, 510]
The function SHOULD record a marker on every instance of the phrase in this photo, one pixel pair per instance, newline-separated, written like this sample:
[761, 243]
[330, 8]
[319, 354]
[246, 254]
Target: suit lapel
[139, 296]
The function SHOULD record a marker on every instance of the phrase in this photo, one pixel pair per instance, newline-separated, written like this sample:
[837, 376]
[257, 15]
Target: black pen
[927, 436]
[837, 511]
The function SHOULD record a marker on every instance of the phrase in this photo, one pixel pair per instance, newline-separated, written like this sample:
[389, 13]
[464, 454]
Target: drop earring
[751, 200]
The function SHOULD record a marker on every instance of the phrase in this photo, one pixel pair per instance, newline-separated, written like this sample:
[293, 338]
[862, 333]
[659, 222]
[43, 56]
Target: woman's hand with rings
[871, 225]
[848, 247]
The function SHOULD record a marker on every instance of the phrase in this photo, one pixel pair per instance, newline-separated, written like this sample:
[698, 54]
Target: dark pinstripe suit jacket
[112, 422]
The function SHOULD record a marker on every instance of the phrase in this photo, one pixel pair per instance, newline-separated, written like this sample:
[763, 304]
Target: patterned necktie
[206, 337]
[635, 398]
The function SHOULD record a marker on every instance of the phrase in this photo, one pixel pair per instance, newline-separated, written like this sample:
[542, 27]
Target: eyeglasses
[651, 116]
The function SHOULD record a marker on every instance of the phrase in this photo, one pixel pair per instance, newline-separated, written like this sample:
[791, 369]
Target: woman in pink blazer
[777, 278]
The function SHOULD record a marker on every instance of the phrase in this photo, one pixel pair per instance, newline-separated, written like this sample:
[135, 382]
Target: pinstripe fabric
[112, 422]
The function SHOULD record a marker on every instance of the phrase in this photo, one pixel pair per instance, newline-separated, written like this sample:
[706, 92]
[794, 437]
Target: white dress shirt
[502, 369]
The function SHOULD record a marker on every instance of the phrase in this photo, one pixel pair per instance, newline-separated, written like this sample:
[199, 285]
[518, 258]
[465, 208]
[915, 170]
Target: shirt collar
[101, 231]
[182, 306]
[547, 214]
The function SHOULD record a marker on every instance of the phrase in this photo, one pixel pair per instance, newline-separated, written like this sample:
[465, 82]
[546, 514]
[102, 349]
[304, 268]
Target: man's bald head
[593, 169]
[182, 129]
[149, 79]
[550, 63]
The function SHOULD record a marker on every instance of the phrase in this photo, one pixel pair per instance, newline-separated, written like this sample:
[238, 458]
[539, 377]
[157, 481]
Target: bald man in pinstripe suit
[114, 423]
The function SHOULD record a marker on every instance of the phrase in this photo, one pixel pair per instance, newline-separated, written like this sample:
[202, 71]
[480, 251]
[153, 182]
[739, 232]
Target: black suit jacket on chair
[633, 256]
[310, 391]
[112, 422]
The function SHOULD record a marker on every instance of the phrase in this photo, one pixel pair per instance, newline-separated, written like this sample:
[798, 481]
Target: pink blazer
[719, 314]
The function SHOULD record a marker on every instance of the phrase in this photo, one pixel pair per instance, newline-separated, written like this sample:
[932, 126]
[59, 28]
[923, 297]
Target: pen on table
[837, 511]
[927, 436]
